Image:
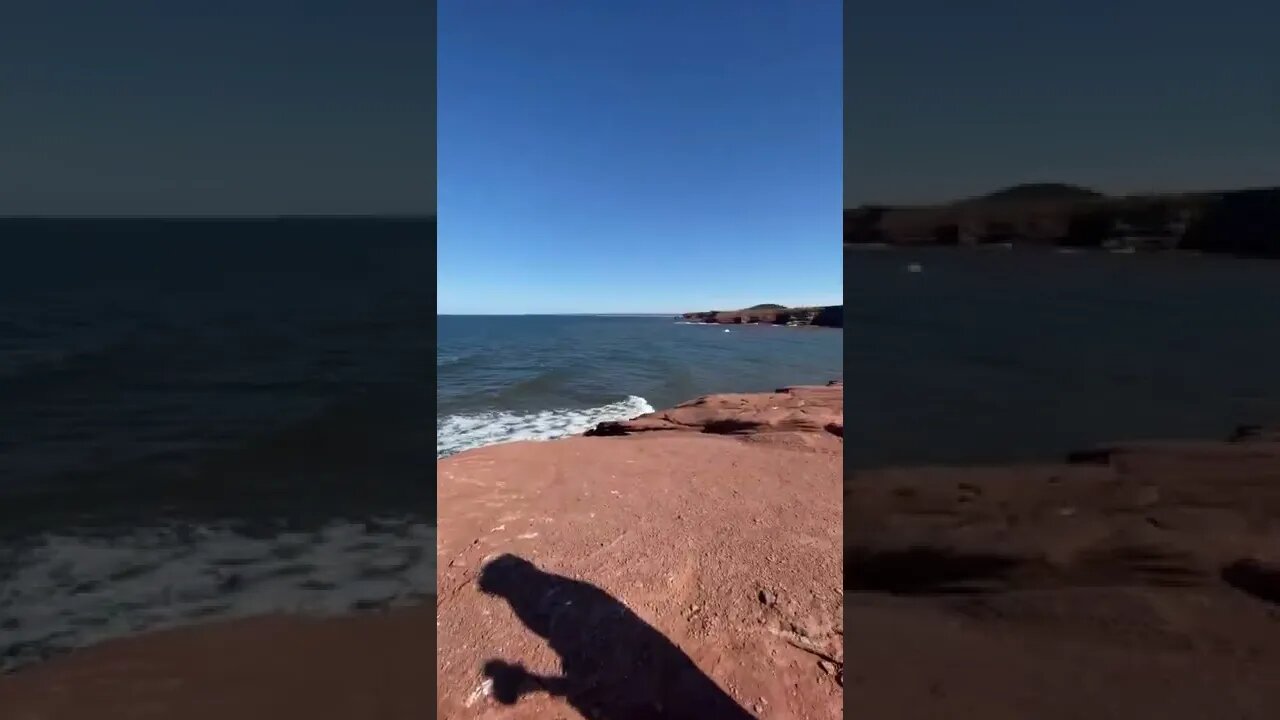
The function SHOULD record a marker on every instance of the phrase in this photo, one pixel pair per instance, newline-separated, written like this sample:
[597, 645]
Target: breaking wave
[61, 591]
[456, 433]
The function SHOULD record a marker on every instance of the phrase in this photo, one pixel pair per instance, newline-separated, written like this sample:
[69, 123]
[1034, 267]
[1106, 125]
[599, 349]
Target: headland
[770, 314]
[1242, 222]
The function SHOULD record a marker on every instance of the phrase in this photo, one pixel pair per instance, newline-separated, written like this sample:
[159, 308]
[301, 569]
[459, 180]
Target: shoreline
[65, 591]
[758, 324]
[1031, 249]
[1240, 222]
[830, 316]
[1127, 579]
[706, 536]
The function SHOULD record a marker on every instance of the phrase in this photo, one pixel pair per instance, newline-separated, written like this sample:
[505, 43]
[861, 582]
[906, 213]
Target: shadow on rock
[615, 665]
[925, 571]
[1255, 578]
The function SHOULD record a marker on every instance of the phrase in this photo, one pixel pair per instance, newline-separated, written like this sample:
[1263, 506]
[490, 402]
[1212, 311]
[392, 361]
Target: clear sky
[950, 99]
[638, 155]
[175, 107]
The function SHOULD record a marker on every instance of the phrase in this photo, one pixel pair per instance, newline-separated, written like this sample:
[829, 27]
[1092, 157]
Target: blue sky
[638, 155]
[220, 108]
[949, 99]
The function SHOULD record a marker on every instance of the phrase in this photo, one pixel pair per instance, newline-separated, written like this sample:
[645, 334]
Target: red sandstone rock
[818, 316]
[585, 575]
[793, 409]
[1142, 583]
[662, 575]
[672, 573]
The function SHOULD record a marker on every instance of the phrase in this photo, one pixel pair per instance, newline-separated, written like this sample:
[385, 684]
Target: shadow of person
[615, 666]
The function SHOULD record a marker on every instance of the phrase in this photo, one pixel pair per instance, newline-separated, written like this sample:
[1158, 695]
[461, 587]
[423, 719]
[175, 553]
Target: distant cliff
[820, 316]
[1241, 222]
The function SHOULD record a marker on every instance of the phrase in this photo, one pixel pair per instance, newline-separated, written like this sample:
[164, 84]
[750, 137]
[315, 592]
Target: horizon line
[602, 314]
[555, 314]
[1106, 194]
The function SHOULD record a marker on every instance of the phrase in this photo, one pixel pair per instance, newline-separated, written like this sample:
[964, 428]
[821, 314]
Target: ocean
[537, 377]
[207, 419]
[214, 419]
[997, 356]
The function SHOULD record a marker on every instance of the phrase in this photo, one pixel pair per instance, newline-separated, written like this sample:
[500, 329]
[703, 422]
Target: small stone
[827, 666]
[767, 597]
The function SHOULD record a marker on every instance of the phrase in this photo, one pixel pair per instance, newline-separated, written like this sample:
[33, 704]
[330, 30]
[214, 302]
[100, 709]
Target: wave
[456, 433]
[34, 366]
[65, 591]
[454, 360]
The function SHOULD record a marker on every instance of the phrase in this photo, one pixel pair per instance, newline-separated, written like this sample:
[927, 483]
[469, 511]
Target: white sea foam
[464, 432]
[61, 591]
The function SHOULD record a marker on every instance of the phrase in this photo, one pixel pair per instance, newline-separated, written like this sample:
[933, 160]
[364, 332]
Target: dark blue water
[537, 377]
[237, 368]
[204, 419]
[1002, 355]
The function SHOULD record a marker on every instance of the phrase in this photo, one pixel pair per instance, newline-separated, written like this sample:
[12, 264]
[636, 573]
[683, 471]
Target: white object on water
[726, 329]
[915, 267]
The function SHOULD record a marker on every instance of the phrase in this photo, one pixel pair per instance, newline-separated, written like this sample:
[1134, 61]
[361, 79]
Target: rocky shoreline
[1133, 580]
[686, 563]
[1233, 222]
[810, 316]
[682, 564]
